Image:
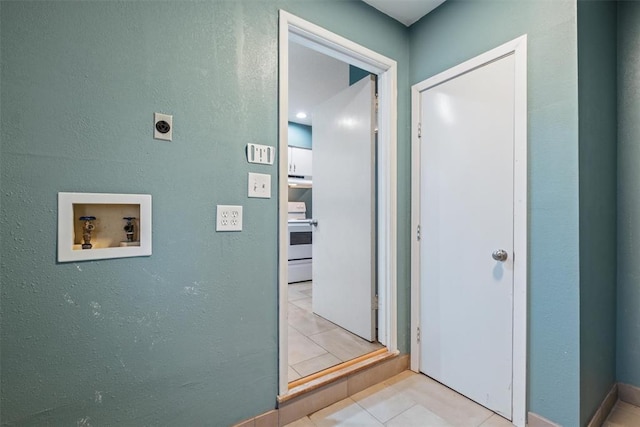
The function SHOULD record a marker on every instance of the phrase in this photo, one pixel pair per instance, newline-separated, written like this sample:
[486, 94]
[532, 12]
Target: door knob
[500, 255]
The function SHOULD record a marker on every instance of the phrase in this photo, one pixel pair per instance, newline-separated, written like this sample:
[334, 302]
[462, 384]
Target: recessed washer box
[120, 226]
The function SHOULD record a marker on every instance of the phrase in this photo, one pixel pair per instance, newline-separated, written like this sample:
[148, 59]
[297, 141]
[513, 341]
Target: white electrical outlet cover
[259, 185]
[228, 218]
[164, 131]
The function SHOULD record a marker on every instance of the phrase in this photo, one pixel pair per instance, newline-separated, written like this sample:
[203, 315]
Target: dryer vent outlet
[163, 126]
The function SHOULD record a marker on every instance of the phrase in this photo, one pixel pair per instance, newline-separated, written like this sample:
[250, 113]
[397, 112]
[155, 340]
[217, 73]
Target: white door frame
[310, 35]
[518, 48]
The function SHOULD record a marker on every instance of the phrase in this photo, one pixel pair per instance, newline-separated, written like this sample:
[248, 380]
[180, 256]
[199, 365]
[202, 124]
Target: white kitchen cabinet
[300, 160]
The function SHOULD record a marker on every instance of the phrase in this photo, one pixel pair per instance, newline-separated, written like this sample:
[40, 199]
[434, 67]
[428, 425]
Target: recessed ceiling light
[301, 115]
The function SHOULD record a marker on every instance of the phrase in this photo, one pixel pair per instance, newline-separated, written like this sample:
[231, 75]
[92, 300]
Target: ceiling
[315, 77]
[405, 11]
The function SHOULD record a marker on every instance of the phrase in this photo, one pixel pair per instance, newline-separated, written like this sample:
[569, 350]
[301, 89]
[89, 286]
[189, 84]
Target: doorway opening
[315, 310]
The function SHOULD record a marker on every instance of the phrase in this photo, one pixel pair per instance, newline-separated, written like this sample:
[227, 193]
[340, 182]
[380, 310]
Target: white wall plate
[69, 247]
[229, 218]
[259, 185]
[262, 154]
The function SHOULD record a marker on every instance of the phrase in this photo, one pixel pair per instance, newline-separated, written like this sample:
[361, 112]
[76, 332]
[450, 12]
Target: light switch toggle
[259, 185]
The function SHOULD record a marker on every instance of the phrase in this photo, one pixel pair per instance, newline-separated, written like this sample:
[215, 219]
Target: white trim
[66, 221]
[414, 364]
[518, 48]
[317, 38]
[520, 237]
[387, 204]
[283, 187]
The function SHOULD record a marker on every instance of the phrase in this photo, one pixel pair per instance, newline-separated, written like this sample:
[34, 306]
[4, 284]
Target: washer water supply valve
[130, 228]
[87, 228]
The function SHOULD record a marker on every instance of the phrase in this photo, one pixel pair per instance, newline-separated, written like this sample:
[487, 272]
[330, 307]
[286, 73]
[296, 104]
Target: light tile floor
[415, 400]
[623, 415]
[314, 342]
[406, 400]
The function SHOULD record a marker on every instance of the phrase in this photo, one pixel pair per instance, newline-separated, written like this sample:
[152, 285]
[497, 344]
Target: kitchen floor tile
[294, 294]
[293, 310]
[302, 348]
[301, 286]
[316, 364]
[308, 323]
[304, 303]
[303, 323]
[292, 375]
[344, 345]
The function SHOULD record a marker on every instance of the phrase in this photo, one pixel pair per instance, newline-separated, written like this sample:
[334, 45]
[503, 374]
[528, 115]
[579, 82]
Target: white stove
[299, 243]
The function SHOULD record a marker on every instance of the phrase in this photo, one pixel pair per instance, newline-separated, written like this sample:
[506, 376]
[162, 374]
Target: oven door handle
[313, 222]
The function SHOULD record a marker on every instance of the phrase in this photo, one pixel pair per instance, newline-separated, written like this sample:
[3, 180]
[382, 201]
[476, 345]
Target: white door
[343, 205]
[466, 215]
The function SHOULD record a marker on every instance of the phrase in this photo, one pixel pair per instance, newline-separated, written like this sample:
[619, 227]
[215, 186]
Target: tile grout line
[396, 416]
[364, 409]
[357, 342]
[312, 340]
[486, 419]
[309, 337]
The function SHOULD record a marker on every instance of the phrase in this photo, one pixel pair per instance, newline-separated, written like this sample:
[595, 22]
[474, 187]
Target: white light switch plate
[263, 154]
[229, 218]
[259, 185]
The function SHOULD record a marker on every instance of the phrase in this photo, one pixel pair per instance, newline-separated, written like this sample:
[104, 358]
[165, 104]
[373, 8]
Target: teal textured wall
[628, 336]
[1, 261]
[299, 135]
[356, 74]
[598, 142]
[187, 336]
[459, 30]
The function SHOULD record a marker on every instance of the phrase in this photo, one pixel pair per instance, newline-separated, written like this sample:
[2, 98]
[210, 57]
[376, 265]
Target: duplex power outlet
[229, 218]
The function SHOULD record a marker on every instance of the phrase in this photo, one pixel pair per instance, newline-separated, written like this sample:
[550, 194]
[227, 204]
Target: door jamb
[324, 41]
[518, 48]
